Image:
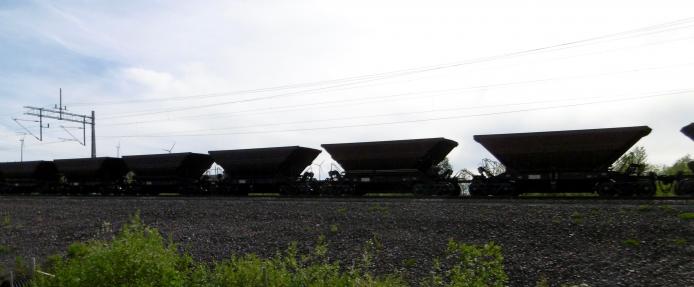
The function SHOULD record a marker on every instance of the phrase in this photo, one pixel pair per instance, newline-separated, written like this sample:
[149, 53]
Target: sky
[213, 75]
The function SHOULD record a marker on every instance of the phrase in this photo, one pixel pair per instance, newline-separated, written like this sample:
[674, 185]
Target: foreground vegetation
[139, 256]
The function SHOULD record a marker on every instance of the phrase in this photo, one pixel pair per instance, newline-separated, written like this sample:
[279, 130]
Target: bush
[139, 256]
[686, 215]
[631, 242]
[291, 269]
[471, 266]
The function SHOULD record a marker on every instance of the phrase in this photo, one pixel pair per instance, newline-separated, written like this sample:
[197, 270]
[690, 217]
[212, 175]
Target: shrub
[409, 262]
[679, 241]
[576, 217]
[631, 242]
[288, 270]
[686, 215]
[4, 249]
[542, 281]
[644, 208]
[138, 256]
[471, 266]
[667, 209]
[6, 221]
[334, 228]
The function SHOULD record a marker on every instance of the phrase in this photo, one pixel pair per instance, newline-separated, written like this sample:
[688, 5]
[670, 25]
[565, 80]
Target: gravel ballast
[599, 243]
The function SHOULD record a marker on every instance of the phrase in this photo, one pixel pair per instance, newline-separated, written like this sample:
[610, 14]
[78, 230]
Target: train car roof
[288, 160]
[569, 150]
[419, 154]
[186, 164]
[689, 131]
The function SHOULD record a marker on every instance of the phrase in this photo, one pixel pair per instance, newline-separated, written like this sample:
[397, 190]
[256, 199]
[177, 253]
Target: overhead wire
[661, 94]
[270, 109]
[390, 114]
[413, 95]
[670, 26]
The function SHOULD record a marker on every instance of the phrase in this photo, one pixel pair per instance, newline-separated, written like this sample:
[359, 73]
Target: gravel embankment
[568, 242]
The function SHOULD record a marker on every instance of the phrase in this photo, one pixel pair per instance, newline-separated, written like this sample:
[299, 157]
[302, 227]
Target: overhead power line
[657, 95]
[644, 31]
[401, 96]
[388, 114]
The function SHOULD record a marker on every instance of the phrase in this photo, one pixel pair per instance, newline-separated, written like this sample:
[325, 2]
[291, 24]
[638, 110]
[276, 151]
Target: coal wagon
[399, 166]
[28, 177]
[572, 161]
[685, 183]
[103, 175]
[689, 131]
[168, 173]
[266, 170]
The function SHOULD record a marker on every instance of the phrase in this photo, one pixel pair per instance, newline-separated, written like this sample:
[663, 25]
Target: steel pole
[40, 124]
[93, 135]
[21, 152]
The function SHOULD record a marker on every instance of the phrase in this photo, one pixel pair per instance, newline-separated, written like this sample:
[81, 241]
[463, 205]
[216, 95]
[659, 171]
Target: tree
[636, 156]
[679, 166]
[444, 167]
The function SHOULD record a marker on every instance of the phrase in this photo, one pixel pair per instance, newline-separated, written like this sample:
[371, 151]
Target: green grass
[21, 268]
[662, 190]
[667, 209]
[6, 221]
[469, 265]
[631, 242]
[138, 255]
[4, 249]
[334, 228]
[377, 208]
[542, 281]
[679, 241]
[342, 210]
[409, 262]
[645, 208]
[576, 217]
[686, 215]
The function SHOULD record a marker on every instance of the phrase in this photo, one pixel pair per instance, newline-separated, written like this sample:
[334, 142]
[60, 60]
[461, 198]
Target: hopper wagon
[28, 177]
[169, 173]
[685, 183]
[266, 170]
[572, 161]
[689, 131]
[391, 166]
[105, 175]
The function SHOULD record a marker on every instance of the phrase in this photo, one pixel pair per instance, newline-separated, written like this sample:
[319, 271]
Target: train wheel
[288, 190]
[685, 187]
[420, 189]
[647, 189]
[605, 189]
[504, 189]
[478, 189]
[449, 189]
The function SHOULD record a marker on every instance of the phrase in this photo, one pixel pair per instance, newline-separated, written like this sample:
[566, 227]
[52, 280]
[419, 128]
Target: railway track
[382, 199]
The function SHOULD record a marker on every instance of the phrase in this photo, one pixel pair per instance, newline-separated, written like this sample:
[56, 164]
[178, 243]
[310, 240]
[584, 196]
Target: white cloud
[150, 80]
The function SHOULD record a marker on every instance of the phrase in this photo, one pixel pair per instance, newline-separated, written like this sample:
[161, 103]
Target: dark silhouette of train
[574, 161]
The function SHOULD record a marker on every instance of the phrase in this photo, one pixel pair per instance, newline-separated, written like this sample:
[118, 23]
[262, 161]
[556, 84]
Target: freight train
[574, 161]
